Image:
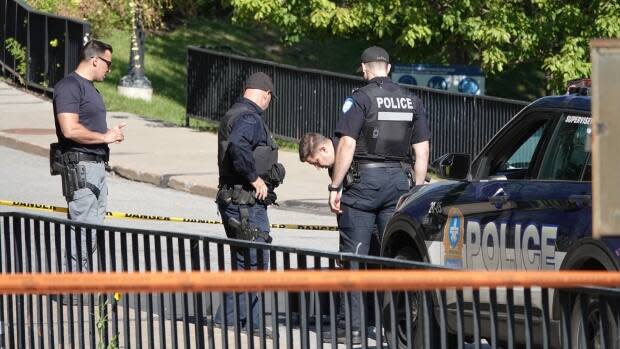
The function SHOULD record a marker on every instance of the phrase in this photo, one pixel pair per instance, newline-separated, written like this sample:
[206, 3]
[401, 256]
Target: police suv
[523, 203]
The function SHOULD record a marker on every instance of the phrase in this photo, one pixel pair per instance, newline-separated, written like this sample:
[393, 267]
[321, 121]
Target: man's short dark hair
[309, 143]
[377, 65]
[94, 48]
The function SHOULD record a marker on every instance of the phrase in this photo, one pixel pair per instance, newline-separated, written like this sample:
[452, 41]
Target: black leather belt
[378, 164]
[90, 157]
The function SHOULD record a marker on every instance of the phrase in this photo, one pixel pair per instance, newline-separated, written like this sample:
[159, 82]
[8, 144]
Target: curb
[24, 146]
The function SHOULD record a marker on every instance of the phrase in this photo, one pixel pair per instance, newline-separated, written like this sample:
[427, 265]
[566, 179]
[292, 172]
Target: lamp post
[135, 84]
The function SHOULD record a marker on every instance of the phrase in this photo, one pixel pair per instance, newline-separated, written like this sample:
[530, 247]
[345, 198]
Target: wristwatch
[330, 188]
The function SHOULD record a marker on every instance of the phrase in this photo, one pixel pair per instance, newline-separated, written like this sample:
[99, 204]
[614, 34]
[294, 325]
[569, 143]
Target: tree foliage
[551, 34]
[104, 15]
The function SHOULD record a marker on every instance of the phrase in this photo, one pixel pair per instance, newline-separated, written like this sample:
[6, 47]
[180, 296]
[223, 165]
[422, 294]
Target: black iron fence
[310, 101]
[51, 44]
[510, 317]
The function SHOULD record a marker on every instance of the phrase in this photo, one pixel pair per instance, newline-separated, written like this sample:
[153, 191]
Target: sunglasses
[108, 63]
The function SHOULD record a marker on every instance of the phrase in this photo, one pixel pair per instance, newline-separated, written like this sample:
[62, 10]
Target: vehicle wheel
[589, 324]
[416, 313]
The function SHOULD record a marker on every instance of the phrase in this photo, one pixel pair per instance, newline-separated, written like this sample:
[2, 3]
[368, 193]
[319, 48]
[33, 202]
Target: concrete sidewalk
[167, 156]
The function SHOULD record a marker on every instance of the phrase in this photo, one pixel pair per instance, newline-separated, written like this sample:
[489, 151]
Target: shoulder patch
[348, 103]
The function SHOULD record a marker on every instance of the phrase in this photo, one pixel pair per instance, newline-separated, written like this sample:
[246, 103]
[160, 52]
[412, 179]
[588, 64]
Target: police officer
[248, 173]
[381, 124]
[83, 138]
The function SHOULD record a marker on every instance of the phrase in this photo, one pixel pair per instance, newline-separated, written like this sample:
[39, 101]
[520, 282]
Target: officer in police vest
[381, 125]
[248, 173]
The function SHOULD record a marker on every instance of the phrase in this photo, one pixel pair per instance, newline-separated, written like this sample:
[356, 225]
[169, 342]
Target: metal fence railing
[51, 43]
[506, 316]
[310, 101]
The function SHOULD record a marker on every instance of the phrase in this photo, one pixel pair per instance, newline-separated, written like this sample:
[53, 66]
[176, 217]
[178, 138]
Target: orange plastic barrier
[338, 280]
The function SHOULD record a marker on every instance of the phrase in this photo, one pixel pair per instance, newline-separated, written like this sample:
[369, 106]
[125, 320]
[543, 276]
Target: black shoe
[268, 333]
[219, 326]
[356, 336]
[255, 331]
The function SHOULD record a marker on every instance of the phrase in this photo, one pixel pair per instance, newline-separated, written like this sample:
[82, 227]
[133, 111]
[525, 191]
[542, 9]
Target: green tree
[551, 35]
[104, 15]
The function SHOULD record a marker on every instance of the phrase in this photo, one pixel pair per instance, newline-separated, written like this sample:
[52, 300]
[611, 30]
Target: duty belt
[361, 165]
[77, 157]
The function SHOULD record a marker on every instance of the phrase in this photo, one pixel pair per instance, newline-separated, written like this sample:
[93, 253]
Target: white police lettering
[573, 119]
[533, 248]
[394, 103]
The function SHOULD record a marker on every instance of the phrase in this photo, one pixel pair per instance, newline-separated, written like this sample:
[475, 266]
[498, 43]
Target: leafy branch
[19, 53]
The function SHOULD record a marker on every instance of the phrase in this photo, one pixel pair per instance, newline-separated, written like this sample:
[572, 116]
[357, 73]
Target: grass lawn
[165, 62]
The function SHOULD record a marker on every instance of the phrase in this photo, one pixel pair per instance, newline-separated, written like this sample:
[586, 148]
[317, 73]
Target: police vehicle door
[500, 173]
[554, 208]
[554, 205]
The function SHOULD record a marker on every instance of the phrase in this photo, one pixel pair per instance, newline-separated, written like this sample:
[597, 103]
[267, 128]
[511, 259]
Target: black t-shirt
[335, 141]
[354, 111]
[77, 95]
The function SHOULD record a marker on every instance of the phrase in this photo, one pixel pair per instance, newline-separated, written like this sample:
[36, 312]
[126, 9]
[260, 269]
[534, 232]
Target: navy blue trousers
[366, 204]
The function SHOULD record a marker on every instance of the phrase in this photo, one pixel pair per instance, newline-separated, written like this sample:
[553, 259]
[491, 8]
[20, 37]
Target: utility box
[605, 55]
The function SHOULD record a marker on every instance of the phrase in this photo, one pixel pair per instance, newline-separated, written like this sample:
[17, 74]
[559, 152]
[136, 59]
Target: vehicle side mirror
[452, 166]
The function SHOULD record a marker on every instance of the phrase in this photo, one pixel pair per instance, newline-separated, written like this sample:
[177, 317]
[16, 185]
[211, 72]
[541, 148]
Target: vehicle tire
[592, 326]
[417, 314]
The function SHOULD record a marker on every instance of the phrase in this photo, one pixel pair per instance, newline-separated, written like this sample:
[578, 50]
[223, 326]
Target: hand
[334, 201]
[115, 134]
[261, 188]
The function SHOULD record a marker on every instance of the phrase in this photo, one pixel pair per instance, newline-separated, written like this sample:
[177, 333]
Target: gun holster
[72, 173]
[243, 231]
[73, 178]
[351, 177]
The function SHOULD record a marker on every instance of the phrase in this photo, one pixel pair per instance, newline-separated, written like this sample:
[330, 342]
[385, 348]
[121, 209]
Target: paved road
[26, 178]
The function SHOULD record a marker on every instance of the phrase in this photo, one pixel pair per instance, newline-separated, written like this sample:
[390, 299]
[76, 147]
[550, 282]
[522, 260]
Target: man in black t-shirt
[83, 135]
[81, 127]
[318, 150]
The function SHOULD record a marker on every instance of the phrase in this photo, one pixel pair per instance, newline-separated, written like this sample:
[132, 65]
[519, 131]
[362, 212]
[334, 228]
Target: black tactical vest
[388, 126]
[265, 156]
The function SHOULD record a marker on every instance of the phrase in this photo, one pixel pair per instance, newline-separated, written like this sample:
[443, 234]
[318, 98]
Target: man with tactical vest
[248, 173]
[381, 125]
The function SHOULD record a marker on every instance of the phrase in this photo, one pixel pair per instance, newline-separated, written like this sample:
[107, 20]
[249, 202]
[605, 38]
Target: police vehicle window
[522, 157]
[566, 157]
[515, 165]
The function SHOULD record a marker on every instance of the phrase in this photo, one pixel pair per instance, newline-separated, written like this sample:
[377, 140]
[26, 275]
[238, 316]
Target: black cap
[375, 54]
[260, 81]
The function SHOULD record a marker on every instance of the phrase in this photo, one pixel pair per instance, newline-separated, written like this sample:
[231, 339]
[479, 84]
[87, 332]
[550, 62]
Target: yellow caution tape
[124, 215]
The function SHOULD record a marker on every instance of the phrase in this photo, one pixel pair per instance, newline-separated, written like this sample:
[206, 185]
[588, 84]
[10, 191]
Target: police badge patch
[348, 103]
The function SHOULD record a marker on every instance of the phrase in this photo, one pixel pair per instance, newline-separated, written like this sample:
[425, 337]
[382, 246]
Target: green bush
[19, 53]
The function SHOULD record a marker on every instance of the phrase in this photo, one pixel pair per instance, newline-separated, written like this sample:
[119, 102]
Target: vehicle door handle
[580, 200]
[499, 198]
